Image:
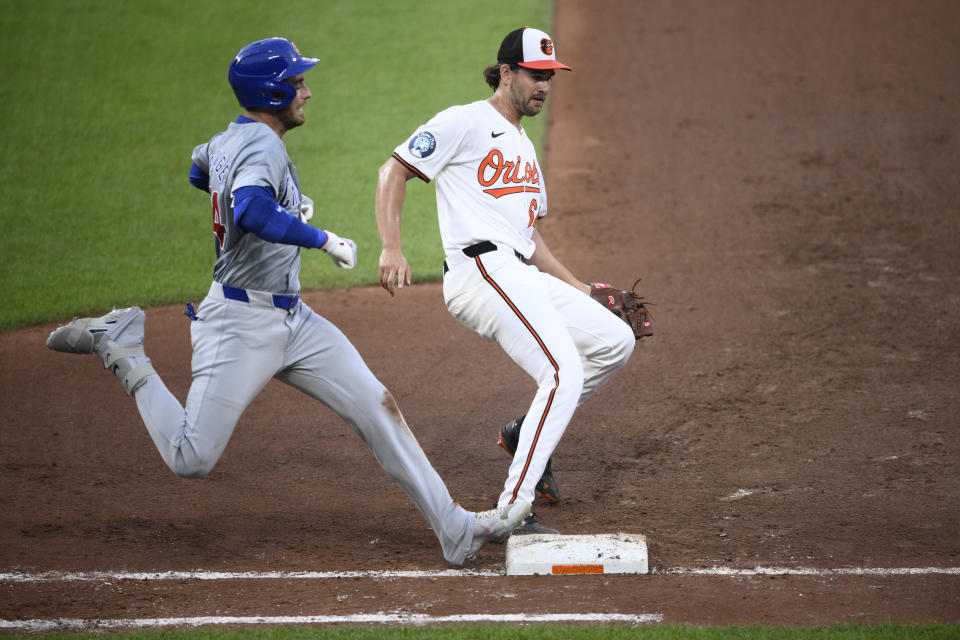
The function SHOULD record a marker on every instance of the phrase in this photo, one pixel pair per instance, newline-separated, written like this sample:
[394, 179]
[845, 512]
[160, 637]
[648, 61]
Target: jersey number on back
[219, 230]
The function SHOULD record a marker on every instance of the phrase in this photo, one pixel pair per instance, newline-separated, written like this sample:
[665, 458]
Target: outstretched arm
[391, 191]
[545, 261]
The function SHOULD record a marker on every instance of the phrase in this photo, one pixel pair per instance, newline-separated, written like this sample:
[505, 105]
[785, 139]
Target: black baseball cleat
[530, 526]
[547, 485]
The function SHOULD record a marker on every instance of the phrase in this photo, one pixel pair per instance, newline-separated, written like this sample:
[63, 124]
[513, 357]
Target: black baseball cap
[530, 48]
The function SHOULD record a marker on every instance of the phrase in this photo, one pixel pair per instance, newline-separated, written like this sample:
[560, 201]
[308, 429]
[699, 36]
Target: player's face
[529, 89]
[292, 115]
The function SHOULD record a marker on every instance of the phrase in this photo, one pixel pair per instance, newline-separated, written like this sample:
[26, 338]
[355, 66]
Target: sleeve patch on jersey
[422, 144]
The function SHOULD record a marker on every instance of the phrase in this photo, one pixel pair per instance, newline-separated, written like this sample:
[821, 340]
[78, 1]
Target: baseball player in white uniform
[500, 279]
[252, 325]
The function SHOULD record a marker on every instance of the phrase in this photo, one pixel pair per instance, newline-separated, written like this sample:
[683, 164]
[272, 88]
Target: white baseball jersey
[490, 190]
[489, 184]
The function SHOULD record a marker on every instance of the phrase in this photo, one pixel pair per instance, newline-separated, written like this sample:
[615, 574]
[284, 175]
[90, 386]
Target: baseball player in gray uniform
[252, 325]
[500, 278]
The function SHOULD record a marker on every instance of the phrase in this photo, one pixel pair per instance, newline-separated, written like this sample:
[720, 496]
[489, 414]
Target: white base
[545, 554]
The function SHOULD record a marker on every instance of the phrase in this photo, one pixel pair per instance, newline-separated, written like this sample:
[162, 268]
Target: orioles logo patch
[546, 45]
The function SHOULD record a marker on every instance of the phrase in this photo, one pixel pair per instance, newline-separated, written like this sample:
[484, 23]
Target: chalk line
[806, 571]
[373, 618]
[106, 576]
[109, 576]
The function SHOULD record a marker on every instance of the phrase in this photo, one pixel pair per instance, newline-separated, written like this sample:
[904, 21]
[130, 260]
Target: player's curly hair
[492, 74]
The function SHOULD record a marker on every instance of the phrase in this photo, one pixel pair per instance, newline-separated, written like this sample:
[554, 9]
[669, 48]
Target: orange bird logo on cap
[546, 45]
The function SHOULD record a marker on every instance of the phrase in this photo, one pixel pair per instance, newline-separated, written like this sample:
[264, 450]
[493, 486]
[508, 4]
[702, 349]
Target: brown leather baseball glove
[626, 304]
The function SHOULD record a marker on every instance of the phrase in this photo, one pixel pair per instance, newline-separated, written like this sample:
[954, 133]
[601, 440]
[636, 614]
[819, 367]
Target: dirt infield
[784, 176]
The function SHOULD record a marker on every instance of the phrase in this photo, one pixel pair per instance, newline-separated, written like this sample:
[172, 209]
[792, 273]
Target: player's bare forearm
[544, 260]
[391, 191]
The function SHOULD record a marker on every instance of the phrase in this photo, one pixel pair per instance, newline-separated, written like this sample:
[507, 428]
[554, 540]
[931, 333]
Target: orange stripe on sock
[556, 370]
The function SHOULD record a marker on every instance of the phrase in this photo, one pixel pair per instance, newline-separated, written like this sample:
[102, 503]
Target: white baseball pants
[238, 347]
[559, 335]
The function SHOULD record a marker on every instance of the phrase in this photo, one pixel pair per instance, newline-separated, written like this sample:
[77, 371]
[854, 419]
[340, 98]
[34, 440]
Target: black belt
[480, 248]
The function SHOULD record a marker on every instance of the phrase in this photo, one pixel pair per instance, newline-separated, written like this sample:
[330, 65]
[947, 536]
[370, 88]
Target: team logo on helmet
[546, 45]
[422, 144]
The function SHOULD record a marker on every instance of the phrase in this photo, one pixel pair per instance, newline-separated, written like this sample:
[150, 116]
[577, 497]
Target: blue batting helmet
[258, 70]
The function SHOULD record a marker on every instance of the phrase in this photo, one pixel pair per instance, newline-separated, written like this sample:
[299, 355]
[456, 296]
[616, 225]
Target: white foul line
[801, 571]
[374, 618]
[108, 576]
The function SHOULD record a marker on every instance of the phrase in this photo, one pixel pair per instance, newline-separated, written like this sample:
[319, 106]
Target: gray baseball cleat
[83, 335]
[117, 338]
[496, 524]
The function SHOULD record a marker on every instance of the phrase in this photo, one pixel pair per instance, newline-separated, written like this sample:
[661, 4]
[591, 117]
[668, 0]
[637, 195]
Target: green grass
[551, 632]
[103, 102]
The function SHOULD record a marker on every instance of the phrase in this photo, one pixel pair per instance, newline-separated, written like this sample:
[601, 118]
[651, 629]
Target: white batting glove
[306, 208]
[343, 251]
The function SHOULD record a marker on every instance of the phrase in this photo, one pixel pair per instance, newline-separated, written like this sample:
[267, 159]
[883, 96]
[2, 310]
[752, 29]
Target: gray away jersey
[250, 154]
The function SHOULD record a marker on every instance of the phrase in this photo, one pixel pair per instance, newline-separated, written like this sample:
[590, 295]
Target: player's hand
[394, 270]
[306, 208]
[343, 251]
